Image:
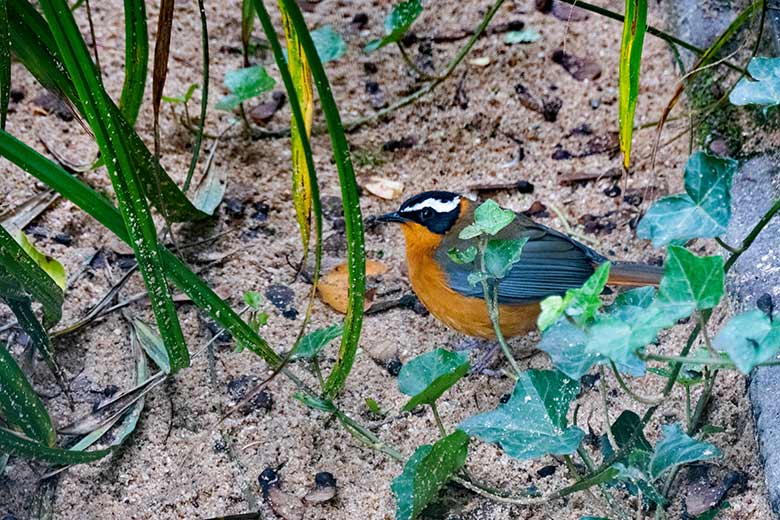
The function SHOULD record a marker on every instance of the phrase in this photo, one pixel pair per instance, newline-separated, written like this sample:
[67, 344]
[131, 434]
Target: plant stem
[437, 418]
[725, 246]
[204, 99]
[650, 401]
[410, 63]
[688, 408]
[605, 406]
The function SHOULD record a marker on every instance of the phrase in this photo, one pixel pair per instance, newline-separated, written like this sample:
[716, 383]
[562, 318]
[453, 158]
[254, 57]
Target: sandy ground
[178, 464]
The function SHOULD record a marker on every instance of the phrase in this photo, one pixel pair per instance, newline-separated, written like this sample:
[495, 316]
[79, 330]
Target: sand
[179, 463]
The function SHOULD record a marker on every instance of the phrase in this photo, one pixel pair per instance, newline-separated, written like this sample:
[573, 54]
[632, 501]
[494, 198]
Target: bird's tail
[634, 275]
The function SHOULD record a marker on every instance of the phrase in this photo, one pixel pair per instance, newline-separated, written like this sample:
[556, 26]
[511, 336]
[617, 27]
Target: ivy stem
[491, 300]
[437, 418]
[688, 423]
[650, 401]
[605, 406]
[410, 63]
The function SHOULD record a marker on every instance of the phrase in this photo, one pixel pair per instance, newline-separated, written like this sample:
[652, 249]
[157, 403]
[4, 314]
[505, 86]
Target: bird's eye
[426, 213]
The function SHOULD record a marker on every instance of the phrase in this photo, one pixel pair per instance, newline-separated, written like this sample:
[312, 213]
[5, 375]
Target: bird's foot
[484, 363]
[470, 344]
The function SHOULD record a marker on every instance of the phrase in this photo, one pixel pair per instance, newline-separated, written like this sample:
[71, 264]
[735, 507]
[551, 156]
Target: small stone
[394, 367]
[633, 198]
[399, 144]
[375, 95]
[370, 67]
[49, 103]
[264, 112]
[63, 238]
[537, 209]
[524, 186]
[613, 191]
[290, 314]
[504, 398]
[17, 94]
[560, 154]
[219, 446]
[268, 478]
[765, 304]
[595, 103]
[720, 147]
[579, 68]
[260, 211]
[281, 296]
[360, 20]
[546, 471]
[550, 108]
[324, 488]
[233, 207]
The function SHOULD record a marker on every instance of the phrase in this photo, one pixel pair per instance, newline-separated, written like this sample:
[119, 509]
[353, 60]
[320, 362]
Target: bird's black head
[435, 210]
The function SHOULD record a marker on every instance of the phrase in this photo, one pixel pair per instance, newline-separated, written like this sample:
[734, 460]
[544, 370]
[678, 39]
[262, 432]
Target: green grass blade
[20, 405]
[5, 62]
[136, 59]
[247, 24]
[14, 444]
[18, 268]
[204, 99]
[356, 260]
[634, 28]
[104, 212]
[33, 44]
[114, 149]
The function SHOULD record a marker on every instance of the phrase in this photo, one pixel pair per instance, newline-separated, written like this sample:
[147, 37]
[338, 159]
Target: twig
[605, 406]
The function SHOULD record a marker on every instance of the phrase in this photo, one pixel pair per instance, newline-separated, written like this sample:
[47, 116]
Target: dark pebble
[595, 103]
[613, 191]
[359, 20]
[394, 367]
[546, 471]
[765, 304]
[125, 261]
[263, 400]
[537, 209]
[587, 382]
[409, 39]
[219, 446]
[583, 129]
[268, 478]
[505, 398]
[524, 186]
[63, 238]
[399, 144]
[234, 208]
[280, 295]
[51, 103]
[561, 155]
[324, 479]
[110, 390]
[550, 108]
[332, 208]
[634, 199]
[370, 67]
[290, 313]
[17, 94]
[260, 211]
[8, 516]
[597, 223]
[372, 87]
[214, 329]
[544, 6]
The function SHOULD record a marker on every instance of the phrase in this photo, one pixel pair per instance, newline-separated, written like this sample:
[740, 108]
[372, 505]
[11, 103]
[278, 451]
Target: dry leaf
[384, 188]
[333, 286]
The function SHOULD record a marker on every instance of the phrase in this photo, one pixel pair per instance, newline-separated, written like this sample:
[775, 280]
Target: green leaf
[14, 444]
[501, 255]
[702, 211]
[524, 36]
[612, 338]
[564, 342]
[311, 344]
[634, 28]
[253, 299]
[676, 448]
[19, 271]
[5, 62]
[749, 338]
[211, 189]
[22, 309]
[20, 405]
[429, 375]
[108, 126]
[690, 282]
[153, 345]
[317, 403]
[533, 422]
[245, 84]
[49, 265]
[373, 406]
[763, 88]
[136, 59]
[350, 196]
[465, 256]
[397, 23]
[580, 304]
[426, 471]
[489, 219]
[180, 100]
[628, 428]
[329, 43]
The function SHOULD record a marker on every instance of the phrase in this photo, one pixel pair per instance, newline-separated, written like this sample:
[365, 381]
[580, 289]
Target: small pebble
[394, 367]
[546, 471]
[234, 208]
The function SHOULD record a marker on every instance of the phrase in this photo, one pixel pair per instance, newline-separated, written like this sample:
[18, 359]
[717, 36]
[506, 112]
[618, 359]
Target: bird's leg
[483, 363]
[469, 344]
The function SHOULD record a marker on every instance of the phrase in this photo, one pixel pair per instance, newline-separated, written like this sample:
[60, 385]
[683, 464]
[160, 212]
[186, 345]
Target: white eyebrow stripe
[440, 206]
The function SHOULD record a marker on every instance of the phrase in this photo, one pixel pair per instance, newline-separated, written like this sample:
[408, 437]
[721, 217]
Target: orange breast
[464, 314]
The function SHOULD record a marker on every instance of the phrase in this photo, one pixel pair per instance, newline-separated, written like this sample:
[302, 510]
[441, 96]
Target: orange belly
[464, 314]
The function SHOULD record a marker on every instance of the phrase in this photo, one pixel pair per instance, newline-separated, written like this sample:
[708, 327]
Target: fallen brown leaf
[334, 285]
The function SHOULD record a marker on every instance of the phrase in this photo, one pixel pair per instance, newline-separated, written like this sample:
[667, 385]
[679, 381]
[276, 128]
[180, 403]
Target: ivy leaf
[580, 304]
[465, 256]
[690, 282]
[491, 218]
[564, 342]
[676, 448]
[426, 471]
[533, 422]
[765, 90]
[397, 23]
[254, 299]
[244, 84]
[501, 255]
[311, 344]
[429, 375]
[329, 43]
[703, 210]
[749, 338]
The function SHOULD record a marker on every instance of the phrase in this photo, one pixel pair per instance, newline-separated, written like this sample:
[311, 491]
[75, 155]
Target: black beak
[391, 217]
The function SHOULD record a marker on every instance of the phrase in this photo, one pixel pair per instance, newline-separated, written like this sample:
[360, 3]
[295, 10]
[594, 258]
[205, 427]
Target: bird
[550, 263]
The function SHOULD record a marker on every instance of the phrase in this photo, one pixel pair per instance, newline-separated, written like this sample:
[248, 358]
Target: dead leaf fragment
[568, 13]
[334, 285]
[580, 68]
[384, 188]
